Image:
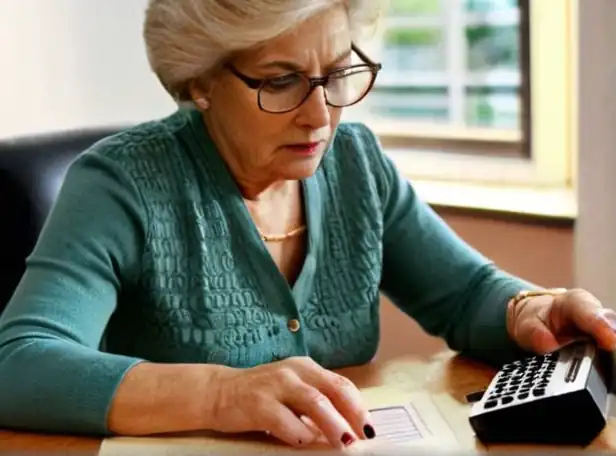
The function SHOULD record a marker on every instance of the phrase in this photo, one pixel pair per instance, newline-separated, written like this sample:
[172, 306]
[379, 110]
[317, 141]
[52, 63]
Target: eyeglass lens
[343, 88]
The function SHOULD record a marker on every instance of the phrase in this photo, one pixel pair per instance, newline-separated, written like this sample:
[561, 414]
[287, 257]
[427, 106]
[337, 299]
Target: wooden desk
[441, 374]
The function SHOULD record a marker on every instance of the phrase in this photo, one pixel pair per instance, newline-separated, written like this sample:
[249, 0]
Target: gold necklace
[282, 237]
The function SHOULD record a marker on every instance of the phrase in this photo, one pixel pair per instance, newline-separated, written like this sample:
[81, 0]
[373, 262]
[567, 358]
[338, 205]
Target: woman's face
[266, 147]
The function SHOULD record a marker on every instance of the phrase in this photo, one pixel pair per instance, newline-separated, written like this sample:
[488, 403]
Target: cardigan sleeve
[435, 277]
[53, 377]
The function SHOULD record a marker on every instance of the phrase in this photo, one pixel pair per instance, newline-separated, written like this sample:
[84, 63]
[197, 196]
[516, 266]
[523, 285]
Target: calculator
[559, 398]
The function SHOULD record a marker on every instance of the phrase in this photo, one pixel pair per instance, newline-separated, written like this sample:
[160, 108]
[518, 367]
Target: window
[458, 66]
[475, 90]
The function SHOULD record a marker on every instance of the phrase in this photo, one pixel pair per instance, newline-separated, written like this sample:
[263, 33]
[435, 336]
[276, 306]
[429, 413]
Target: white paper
[395, 424]
[401, 418]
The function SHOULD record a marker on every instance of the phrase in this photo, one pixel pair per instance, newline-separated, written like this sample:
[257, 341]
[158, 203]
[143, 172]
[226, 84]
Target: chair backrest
[32, 170]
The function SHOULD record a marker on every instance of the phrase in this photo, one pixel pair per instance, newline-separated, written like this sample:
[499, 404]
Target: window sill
[450, 166]
[429, 131]
[508, 185]
[545, 203]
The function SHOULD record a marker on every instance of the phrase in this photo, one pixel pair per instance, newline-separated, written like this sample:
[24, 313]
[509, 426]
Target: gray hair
[186, 39]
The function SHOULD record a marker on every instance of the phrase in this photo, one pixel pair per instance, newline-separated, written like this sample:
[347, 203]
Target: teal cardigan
[150, 254]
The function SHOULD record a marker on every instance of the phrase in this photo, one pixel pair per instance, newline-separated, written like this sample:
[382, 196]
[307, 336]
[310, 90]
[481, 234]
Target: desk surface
[441, 374]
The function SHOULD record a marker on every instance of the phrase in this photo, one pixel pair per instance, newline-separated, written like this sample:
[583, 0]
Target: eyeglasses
[343, 87]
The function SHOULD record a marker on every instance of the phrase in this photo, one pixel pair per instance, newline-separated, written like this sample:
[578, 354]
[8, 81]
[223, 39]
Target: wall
[545, 258]
[595, 249]
[72, 63]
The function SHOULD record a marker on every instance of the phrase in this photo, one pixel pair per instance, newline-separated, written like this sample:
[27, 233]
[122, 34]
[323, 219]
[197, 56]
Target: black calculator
[560, 398]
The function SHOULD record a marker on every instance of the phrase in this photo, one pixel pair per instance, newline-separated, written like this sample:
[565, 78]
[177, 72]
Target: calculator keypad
[522, 379]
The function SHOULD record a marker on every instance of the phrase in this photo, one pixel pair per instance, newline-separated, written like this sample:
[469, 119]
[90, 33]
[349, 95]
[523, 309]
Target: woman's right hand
[294, 400]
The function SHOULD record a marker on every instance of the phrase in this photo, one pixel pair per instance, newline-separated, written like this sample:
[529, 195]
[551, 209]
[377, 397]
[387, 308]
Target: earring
[203, 103]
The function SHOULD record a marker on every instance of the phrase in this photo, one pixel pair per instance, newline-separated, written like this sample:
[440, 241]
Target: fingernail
[608, 316]
[347, 439]
[369, 432]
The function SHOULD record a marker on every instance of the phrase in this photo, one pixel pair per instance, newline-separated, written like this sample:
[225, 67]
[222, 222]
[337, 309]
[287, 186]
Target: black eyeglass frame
[257, 84]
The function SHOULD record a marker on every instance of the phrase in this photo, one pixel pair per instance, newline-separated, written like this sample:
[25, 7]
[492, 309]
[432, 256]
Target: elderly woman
[206, 270]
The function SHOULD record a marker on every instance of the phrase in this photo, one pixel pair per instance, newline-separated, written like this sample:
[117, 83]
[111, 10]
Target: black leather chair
[31, 173]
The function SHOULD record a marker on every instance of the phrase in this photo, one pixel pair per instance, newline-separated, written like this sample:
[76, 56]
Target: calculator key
[523, 396]
[507, 400]
[539, 392]
[490, 404]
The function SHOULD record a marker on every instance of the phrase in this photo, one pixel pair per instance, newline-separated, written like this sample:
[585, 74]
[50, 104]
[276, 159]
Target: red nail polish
[347, 439]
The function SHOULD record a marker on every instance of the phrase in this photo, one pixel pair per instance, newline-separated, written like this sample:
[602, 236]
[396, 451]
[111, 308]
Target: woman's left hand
[544, 323]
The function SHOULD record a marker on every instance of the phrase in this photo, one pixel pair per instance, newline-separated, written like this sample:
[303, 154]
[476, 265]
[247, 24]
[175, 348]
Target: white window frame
[553, 110]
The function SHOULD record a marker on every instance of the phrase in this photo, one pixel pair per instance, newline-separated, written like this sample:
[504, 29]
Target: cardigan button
[293, 325]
